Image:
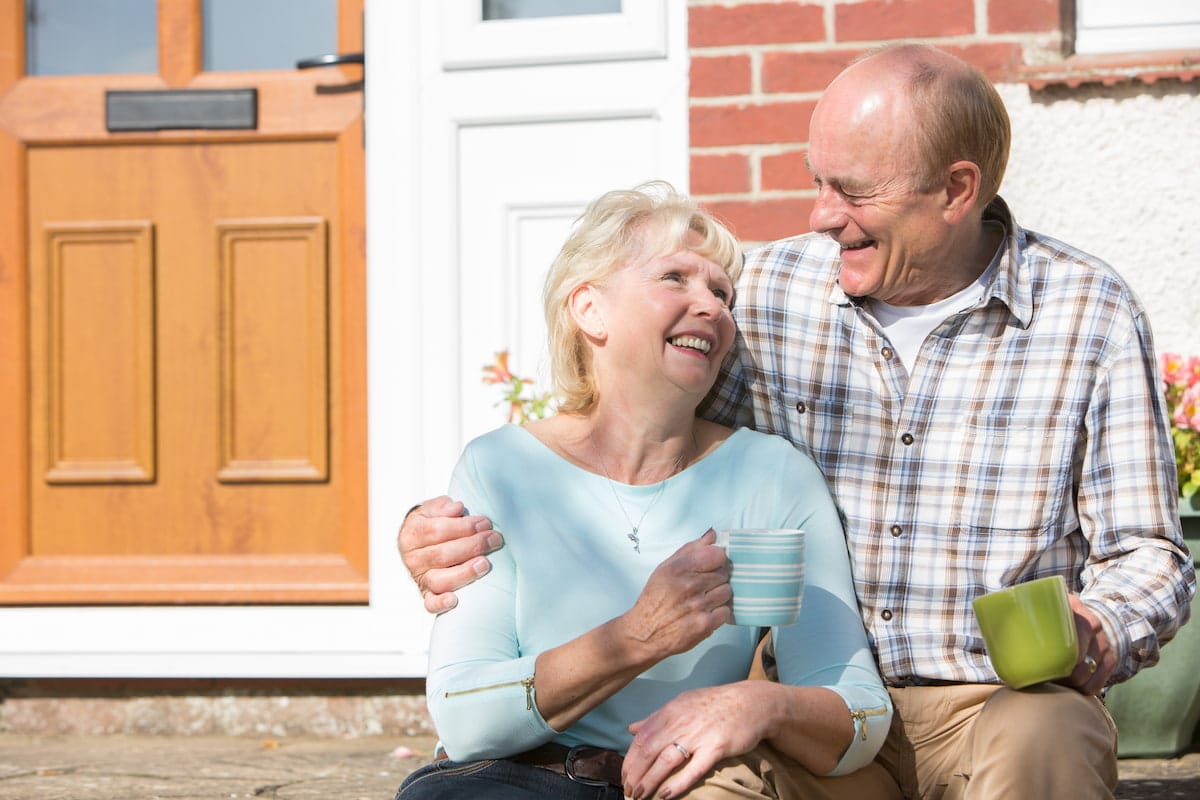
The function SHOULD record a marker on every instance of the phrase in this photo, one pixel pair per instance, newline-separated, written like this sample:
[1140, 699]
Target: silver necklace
[634, 530]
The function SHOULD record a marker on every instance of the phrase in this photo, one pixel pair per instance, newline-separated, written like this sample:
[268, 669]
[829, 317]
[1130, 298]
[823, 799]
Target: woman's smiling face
[670, 316]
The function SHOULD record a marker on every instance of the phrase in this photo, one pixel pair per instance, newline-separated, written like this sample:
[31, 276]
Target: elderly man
[983, 402]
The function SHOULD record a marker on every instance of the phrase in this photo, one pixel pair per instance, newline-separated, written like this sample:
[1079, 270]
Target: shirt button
[896, 530]
[886, 614]
[907, 438]
[801, 407]
[886, 353]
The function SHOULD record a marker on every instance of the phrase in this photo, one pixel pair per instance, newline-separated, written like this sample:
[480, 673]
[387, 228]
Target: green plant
[524, 404]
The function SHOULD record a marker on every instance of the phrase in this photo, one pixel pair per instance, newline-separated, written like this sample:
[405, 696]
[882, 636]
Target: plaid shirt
[1030, 439]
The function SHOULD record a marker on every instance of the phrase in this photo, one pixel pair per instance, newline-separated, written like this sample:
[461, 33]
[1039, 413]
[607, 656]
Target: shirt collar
[1011, 285]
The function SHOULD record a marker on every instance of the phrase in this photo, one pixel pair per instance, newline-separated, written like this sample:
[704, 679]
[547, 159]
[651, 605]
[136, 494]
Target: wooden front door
[182, 347]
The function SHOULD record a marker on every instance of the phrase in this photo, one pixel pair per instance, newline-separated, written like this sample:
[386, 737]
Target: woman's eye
[673, 276]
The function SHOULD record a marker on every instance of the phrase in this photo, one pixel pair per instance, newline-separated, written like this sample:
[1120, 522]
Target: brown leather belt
[583, 764]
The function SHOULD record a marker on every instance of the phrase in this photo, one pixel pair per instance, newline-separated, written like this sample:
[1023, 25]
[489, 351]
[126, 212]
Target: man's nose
[828, 212]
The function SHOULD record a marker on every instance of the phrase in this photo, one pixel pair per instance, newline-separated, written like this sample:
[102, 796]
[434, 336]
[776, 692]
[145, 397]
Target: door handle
[331, 60]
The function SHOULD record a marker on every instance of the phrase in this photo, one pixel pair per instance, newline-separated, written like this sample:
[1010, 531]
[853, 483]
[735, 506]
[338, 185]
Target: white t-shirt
[907, 326]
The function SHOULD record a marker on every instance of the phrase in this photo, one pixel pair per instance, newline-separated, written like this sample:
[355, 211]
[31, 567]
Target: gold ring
[1090, 663]
[682, 750]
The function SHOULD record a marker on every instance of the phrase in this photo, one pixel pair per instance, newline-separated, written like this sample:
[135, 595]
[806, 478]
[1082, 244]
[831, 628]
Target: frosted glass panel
[267, 34]
[90, 37]
[525, 9]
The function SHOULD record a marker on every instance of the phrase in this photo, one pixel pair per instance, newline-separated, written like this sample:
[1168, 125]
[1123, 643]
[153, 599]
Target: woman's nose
[707, 303]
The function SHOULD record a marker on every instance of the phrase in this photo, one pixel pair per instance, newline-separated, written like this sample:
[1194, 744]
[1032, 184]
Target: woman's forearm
[574, 678]
[809, 723]
[683, 602]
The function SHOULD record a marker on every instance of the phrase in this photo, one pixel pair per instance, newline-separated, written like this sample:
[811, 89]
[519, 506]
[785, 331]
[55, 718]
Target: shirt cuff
[871, 712]
[1112, 630]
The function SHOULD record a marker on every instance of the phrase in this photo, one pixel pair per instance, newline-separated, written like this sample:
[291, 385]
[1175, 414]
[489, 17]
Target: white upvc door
[522, 122]
[484, 140]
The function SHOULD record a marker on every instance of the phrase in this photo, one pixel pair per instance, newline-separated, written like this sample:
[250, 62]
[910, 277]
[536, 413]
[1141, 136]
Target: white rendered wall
[1115, 171]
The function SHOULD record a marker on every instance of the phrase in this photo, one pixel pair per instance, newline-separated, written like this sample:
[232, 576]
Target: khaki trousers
[986, 742]
[767, 774]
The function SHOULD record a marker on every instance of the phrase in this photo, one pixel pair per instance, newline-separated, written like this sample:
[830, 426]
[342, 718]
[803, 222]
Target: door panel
[274, 356]
[520, 209]
[186, 318]
[97, 392]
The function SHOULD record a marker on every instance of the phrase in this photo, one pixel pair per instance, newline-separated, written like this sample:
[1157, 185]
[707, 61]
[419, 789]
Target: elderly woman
[610, 599]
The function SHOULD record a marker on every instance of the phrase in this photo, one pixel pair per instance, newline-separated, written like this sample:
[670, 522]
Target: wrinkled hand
[444, 550]
[710, 724]
[686, 598]
[1093, 643]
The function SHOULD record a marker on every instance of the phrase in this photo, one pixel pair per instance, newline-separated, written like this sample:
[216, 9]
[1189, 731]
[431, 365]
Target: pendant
[637, 543]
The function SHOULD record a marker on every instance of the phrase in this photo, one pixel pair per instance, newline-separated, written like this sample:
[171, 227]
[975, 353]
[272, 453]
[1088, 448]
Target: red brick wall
[758, 67]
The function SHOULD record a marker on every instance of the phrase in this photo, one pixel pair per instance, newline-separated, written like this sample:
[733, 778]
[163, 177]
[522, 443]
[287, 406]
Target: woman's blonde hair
[619, 229]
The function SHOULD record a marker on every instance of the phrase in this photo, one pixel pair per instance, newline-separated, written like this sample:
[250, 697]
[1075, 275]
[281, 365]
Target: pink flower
[522, 407]
[1192, 371]
[1187, 413]
[1173, 369]
[1181, 388]
[497, 371]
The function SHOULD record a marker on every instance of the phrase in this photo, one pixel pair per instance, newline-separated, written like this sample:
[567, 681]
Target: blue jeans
[496, 780]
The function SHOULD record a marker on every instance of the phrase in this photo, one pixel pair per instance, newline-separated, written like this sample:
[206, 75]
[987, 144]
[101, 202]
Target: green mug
[1029, 630]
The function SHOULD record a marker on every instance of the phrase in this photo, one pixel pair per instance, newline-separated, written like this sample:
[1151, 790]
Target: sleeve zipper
[526, 682]
[861, 714]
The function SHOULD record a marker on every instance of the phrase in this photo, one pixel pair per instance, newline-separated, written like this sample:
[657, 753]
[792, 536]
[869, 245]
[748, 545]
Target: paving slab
[122, 767]
[205, 768]
[1154, 778]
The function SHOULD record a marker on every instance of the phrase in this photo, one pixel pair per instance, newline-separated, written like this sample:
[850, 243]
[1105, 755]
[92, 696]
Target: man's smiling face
[863, 157]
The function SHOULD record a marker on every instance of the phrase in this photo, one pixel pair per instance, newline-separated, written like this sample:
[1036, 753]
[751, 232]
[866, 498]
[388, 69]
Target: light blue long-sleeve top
[568, 566]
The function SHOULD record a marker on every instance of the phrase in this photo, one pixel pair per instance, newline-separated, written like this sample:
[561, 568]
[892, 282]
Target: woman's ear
[585, 302]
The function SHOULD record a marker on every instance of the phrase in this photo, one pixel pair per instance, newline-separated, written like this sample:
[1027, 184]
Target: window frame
[1104, 27]
[637, 31]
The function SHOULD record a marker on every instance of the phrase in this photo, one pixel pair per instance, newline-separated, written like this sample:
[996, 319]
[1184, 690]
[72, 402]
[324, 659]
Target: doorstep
[61, 707]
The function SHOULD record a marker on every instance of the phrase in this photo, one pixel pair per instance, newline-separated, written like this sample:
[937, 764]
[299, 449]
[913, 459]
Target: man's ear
[962, 190]
[585, 302]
